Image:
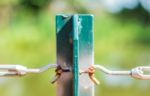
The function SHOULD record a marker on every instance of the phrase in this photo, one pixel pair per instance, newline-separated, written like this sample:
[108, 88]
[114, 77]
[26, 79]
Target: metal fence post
[74, 52]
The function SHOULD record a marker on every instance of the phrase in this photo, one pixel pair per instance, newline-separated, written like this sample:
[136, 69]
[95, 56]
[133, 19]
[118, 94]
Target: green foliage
[5, 2]
[35, 5]
[77, 6]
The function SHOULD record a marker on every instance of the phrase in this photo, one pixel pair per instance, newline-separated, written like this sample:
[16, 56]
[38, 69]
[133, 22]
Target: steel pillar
[74, 52]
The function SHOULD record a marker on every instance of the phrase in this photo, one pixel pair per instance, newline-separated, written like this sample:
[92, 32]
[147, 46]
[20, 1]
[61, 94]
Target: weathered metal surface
[64, 54]
[74, 52]
[86, 53]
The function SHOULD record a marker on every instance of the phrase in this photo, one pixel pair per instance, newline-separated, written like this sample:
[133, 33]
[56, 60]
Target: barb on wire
[59, 70]
[91, 72]
[19, 70]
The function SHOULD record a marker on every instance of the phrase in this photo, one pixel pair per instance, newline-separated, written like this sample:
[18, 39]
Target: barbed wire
[137, 72]
[20, 70]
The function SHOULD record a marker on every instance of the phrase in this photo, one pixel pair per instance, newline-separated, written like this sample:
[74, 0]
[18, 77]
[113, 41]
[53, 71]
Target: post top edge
[66, 15]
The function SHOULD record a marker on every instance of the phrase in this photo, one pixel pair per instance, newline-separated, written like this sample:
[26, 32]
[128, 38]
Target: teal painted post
[64, 33]
[86, 53]
[74, 52]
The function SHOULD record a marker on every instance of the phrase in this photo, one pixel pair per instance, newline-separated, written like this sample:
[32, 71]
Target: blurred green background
[122, 41]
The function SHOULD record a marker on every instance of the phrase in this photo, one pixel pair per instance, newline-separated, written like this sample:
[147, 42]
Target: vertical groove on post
[76, 53]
